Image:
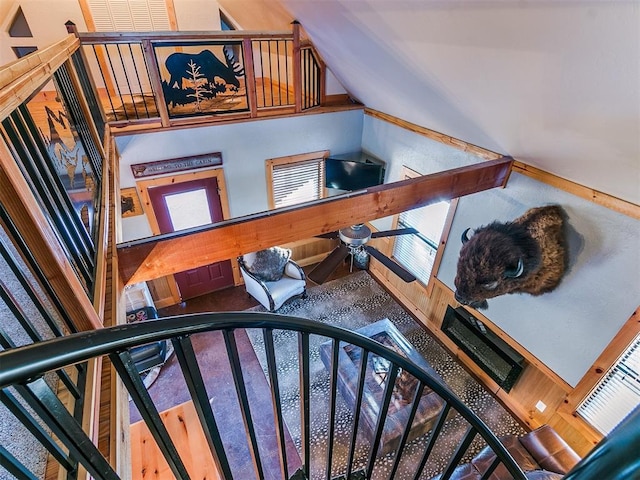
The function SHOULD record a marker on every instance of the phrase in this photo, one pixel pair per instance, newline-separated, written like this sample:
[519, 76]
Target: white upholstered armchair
[271, 277]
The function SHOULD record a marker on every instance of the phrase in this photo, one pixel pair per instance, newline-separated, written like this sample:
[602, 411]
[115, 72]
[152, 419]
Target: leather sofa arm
[549, 450]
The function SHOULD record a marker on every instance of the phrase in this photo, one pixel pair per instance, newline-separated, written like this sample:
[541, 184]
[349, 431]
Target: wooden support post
[250, 76]
[156, 82]
[297, 73]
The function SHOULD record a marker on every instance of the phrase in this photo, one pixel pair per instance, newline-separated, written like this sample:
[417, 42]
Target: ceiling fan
[353, 241]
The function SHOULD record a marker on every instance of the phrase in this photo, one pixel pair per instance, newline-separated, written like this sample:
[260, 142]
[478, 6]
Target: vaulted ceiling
[555, 84]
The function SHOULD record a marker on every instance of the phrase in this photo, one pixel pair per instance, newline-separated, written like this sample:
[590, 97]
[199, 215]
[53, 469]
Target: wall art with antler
[202, 78]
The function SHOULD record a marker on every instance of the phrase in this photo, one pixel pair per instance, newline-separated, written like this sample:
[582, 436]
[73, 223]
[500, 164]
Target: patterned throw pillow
[268, 265]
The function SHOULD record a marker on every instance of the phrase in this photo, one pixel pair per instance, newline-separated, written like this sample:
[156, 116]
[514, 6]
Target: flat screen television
[353, 174]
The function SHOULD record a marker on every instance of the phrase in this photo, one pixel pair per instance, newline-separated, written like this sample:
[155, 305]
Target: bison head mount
[527, 255]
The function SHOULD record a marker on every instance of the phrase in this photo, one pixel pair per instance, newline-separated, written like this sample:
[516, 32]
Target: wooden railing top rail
[20, 79]
[121, 37]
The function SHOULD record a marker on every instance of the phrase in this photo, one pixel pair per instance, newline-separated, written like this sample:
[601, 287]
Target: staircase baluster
[417, 396]
[333, 392]
[382, 417]
[127, 371]
[267, 334]
[305, 422]
[238, 378]
[433, 436]
[193, 377]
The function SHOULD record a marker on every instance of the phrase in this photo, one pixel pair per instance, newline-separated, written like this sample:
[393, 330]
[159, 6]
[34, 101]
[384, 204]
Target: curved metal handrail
[24, 364]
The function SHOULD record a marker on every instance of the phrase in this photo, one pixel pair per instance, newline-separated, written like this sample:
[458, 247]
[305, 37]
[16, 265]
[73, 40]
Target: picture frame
[172, 165]
[130, 205]
[202, 78]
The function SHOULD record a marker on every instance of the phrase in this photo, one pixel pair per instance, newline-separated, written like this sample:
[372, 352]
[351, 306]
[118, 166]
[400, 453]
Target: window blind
[129, 15]
[616, 394]
[418, 252]
[297, 182]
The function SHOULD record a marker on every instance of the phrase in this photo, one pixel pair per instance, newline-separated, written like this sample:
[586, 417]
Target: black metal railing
[311, 79]
[163, 76]
[63, 436]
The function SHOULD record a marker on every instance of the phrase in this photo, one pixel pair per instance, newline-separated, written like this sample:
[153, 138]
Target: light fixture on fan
[353, 241]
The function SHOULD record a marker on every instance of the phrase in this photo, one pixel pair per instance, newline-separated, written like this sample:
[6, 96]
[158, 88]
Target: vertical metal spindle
[264, 95]
[278, 70]
[135, 69]
[193, 377]
[382, 417]
[238, 378]
[433, 436]
[126, 78]
[270, 43]
[333, 394]
[30, 260]
[53, 413]
[491, 469]
[267, 334]
[113, 71]
[417, 396]
[362, 371]
[31, 424]
[287, 59]
[126, 369]
[26, 285]
[459, 453]
[104, 81]
[14, 467]
[305, 419]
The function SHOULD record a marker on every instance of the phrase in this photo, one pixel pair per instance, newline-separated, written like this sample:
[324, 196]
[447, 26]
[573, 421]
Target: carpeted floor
[353, 302]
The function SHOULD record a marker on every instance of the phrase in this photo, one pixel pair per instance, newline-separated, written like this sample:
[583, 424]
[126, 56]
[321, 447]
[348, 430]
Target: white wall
[568, 328]
[195, 15]
[244, 148]
[555, 84]
[46, 24]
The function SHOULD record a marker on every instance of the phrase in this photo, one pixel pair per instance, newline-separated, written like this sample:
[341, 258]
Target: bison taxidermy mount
[528, 255]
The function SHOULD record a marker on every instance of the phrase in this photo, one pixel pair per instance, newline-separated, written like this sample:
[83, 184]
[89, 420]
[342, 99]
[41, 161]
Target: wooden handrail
[88, 38]
[166, 254]
[20, 79]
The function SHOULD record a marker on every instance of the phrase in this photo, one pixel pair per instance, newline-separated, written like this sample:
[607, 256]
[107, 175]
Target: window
[129, 15]
[295, 179]
[616, 394]
[19, 26]
[418, 253]
[23, 51]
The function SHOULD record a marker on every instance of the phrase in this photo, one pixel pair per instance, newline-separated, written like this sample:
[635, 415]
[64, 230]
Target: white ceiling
[555, 84]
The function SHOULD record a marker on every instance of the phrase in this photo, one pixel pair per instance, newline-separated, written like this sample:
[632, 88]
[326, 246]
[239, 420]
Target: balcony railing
[64, 437]
[170, 76]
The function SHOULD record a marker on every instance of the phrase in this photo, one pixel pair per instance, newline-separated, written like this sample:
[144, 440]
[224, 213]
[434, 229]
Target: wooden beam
[148, 259]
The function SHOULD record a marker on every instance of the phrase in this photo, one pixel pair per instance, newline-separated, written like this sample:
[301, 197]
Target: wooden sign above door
[172, 165]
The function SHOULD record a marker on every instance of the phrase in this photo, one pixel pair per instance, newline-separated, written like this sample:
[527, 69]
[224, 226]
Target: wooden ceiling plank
[163, 255]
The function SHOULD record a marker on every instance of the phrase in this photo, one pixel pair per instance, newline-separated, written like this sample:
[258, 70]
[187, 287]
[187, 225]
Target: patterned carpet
[353, 302]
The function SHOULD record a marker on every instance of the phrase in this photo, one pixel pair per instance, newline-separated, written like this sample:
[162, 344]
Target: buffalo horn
[465, 236]
[517, 272]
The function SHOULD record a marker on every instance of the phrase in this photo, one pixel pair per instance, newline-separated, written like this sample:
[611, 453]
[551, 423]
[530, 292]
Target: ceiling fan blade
[326, 267]
[397, 231]
[390, 264]
[329, 235]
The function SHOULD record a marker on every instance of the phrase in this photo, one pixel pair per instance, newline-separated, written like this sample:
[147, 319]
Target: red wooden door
[191, 204]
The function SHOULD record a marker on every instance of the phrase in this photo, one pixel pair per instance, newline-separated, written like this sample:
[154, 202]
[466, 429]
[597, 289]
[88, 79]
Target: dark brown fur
[492, 254]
